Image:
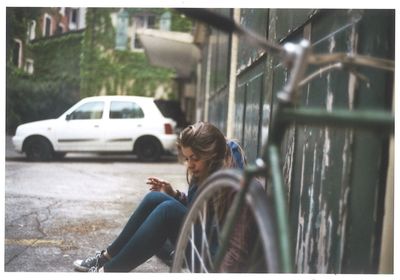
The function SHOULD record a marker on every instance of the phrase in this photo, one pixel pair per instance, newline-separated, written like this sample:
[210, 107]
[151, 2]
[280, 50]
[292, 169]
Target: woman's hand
[159, 185]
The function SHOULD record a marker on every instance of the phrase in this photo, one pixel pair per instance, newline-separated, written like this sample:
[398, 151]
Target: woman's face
[195, 165]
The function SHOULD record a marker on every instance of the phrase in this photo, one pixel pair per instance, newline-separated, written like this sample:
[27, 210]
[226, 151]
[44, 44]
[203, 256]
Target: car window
[87, 111]
[125, 110]
[172, 109]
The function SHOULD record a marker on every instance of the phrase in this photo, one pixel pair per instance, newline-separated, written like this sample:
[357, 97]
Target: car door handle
[96, 126]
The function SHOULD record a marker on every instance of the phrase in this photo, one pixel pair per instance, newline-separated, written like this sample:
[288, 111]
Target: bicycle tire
[259, 207]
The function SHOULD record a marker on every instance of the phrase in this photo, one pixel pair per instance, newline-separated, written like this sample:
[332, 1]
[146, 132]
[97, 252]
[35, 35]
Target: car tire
[59, 155]
[38, 149]
[148, 149]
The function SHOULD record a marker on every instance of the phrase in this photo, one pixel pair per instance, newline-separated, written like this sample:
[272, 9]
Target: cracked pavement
[60, 211]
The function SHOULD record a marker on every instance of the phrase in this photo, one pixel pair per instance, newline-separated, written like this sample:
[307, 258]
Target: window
[151, 21]
[139, 22]
[46, 25]
[73, 18]
[87, 111]
[32, 30]
[142, 21]
[29, 66]
[125, 110]
[60, 28]
[136, 44]
[17, 53]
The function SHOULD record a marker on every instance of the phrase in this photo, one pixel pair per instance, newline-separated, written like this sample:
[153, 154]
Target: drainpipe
[232, 79]
[208, 74]
[199, 101]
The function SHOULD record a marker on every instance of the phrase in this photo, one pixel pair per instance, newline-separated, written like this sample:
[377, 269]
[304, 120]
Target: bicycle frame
[285, 114]
[284, 117]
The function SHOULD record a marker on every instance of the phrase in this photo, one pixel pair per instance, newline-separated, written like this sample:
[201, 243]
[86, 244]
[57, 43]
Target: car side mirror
[68, 117]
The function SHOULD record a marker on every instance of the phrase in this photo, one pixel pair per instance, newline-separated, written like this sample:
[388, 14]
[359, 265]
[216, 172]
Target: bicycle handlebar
[295, 55]
[288, 50]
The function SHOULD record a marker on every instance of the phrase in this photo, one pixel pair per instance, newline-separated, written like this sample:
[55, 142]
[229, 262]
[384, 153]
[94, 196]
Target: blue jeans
[157, 218]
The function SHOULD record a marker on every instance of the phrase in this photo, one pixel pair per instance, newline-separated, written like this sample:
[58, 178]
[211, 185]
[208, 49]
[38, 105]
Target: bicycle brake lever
[352, 59]
[329, 68]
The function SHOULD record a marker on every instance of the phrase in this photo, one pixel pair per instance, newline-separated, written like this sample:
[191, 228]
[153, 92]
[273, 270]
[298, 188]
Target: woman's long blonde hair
[208, 143]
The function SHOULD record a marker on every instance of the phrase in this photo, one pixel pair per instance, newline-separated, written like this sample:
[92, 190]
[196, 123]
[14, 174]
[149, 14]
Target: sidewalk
[54, 213]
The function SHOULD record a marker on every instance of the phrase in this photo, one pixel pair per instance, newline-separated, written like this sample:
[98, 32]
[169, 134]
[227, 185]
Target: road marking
[34, 242]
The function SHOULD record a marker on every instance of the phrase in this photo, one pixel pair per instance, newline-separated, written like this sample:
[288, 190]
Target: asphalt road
[59, 211]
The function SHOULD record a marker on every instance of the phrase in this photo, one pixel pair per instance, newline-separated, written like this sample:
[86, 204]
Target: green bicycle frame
[284, 116]
[372, 120]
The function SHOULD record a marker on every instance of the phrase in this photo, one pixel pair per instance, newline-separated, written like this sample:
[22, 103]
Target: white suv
[100, 124]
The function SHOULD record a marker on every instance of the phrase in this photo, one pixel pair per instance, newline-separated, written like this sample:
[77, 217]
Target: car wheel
[39, 149]
[59, 155]
[148, 149]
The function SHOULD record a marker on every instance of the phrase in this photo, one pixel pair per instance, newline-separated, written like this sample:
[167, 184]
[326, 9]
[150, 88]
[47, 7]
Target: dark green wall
[336, 178]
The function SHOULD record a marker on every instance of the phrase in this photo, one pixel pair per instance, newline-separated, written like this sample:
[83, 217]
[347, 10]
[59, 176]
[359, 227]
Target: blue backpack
[237, 154]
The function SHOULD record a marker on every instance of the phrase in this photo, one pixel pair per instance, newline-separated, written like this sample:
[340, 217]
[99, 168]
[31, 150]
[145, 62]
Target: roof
[113, 97]
[169, 49]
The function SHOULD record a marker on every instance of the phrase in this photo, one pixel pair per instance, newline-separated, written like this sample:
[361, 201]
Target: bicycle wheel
[252, 246]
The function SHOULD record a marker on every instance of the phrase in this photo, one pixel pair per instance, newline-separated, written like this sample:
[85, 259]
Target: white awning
[170, 49]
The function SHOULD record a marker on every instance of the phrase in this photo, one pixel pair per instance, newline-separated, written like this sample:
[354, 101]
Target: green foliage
[112, 71]
[52, 88]
[94, 66]
[17, 19]
[180, 23]
[74, 65]
[58, 58]
[29, 99]
[146, 77]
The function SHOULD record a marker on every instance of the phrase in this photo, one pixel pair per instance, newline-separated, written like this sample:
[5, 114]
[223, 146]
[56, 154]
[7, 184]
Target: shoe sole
[78, 267]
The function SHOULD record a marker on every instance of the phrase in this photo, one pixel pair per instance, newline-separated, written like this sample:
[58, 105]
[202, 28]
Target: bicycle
[208, 231]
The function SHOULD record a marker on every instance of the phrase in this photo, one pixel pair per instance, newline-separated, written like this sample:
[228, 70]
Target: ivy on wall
[146, 78]
[16, 25]
[73, 65]
[30, 99]
[54, 85]
[57, 58]
[105, 70]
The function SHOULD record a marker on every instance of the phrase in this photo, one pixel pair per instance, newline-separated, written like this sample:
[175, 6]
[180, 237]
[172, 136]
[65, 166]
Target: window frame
[46, 17]
[31, 32]
[29, 66]
[72, 115]
[18, 43]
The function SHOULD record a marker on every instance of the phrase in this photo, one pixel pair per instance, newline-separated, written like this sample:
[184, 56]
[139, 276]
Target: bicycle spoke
[200, 237]
[205, 243]
[191, 240]
[215, 218]
[196, 253]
